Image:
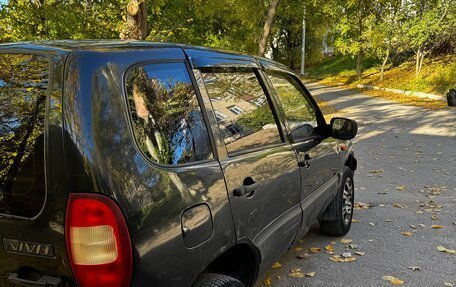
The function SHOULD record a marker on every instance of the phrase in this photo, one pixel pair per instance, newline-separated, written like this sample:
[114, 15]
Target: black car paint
[91, 148]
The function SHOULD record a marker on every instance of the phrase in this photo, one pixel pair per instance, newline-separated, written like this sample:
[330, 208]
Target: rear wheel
[216, 280]
[340, 210]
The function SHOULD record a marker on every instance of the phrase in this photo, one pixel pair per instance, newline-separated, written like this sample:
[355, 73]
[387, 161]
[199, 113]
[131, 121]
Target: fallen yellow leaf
[267, 281]
[276, 265]
[315, 249]
[401, 187]
[338, 258]
[346, 241]
[296, 273]
[407, 233]
[393, 280]
[310, 274]
[360, 253]
[329, 248]
[443, 249]
[435, 226]
[355, 220]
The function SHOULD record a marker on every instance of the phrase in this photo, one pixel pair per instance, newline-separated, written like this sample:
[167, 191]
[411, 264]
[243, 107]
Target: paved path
[415, 150]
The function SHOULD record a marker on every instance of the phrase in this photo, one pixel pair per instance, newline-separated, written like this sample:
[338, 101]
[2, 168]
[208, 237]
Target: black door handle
[246, 189]
[305, 162]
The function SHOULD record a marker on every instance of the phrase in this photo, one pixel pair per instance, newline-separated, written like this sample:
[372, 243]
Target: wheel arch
[351, 161]
[240, 261]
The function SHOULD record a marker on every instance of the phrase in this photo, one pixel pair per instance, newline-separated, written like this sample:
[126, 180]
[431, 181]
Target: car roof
[67, 46]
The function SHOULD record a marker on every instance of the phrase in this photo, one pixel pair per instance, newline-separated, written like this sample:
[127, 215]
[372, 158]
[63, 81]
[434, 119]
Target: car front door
[318, 155]
[260, 167]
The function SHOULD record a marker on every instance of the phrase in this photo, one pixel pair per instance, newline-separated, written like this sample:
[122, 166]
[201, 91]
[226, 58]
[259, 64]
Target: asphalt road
[407, 174]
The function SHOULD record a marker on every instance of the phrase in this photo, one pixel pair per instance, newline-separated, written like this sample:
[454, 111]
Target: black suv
[152, 164]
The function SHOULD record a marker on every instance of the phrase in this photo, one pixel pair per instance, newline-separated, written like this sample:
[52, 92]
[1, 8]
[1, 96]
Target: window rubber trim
[51, 79]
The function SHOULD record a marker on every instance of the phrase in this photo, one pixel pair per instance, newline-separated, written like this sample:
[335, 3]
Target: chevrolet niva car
[154, 164]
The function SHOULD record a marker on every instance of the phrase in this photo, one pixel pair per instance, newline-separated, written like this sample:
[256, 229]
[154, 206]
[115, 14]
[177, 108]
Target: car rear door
[260, 167]
[33, 186]
[318, 154]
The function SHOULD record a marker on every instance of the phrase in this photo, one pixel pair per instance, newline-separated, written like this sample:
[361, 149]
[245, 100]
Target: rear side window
[167, 119]
[241, 108]
[23, 89]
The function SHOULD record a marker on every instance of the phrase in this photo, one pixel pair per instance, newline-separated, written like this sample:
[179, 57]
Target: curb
[408, 93]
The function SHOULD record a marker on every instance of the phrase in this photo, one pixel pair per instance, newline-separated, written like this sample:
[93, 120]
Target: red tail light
[97, 241]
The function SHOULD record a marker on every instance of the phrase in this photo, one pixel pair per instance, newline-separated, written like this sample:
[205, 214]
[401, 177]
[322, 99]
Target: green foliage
[55, 19]
[339, 65]
[256, 119]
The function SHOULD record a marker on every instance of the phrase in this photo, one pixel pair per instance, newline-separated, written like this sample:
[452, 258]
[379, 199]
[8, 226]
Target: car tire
[340, 210]
[216, 280]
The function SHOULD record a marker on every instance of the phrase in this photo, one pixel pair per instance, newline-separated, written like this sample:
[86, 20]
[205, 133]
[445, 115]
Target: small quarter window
[299, 112]
[247, 121]
[23, 88]
[167, 120]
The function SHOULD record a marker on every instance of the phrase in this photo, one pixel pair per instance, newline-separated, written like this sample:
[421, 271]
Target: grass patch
[407, 100]
[438, 75]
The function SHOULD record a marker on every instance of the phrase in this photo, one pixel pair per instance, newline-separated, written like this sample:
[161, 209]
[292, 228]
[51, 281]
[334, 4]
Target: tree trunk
[359, 60]
[385, 60]
[136, 22]
[421, 64]
[419, 59]
[267, 27]
[20, 151]
[417, 62]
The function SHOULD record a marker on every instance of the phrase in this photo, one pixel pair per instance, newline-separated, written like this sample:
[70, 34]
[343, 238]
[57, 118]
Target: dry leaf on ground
[315, 249]
[346, 241]
[401, 187]
[296, 273]
[415, 268]
[310, 274]
[407, 233]
[361, 205]
[443, 249]
[435, 226]
[393, 280]
[360, 253]
[304, 256]
[329, 248]
[338, 258]
[276, 265]
[267, 281]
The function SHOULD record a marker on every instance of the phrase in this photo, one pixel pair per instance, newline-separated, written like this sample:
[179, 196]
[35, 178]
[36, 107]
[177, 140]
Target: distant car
[151, 164]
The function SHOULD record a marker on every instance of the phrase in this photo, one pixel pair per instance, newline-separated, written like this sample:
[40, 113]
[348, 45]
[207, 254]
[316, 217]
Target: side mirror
[343, 129]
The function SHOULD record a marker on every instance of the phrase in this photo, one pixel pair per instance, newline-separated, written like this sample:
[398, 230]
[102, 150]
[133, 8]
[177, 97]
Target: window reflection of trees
[253, 118]
[23, 86]
[166, 117]
[299, 113]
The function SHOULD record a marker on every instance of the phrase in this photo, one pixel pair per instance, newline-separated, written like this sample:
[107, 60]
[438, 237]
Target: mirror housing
[343, 128]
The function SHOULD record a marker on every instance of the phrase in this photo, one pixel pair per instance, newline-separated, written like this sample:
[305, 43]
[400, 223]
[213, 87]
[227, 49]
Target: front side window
[167, 120]
[23, 88]
[299, 112]
[249, 121]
